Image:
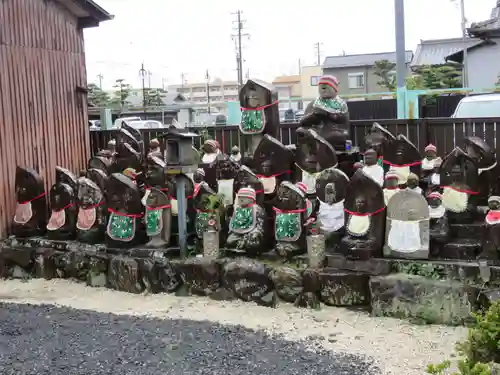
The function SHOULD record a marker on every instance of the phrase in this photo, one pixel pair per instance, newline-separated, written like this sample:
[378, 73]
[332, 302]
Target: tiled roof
[286, 79]
[493, 23]
[434, 52]
[366, 59]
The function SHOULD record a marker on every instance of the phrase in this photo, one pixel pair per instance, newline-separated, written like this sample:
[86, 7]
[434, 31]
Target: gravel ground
[200, 336]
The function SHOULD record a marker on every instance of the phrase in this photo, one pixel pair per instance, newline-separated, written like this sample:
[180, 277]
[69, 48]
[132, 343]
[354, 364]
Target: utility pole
[317, 47]
[183, 80]
[100, 77]
[465, 76]
[207, 77]
[150, 74]
[399, 20]
[238, 37]
[143, 72]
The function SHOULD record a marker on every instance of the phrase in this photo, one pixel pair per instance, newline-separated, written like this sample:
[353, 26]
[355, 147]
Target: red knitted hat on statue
[330, 81]
[302, 187]
[247, 192]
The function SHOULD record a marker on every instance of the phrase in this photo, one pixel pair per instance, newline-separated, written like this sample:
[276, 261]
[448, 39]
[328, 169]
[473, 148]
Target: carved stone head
[494, 203]
[331, 185]
[412, 181]
[479, 151]
[459, 170]
[371, 157]
[155, 172]
[328, 87]
[363, 194]
[379, 138]
[314, 153]
[123, 195]
[224, 167]
[434, 199]
[199, 175]
[272, 157]
[402, 152]
[29, 184]
[430, 152]
[290, 197]
[89, 194]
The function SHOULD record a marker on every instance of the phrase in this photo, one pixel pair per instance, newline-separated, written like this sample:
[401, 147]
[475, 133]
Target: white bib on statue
[404, 236]
[175, 206]
[376, 172]
[331, 217]
[209, 158]
[436, 213]
[455, 201]
[436, 179]
[310, 181]
[388, 193]
[269, 184]
[403, 173]
[417, 190]
[225, 187]
[358, 225]
[427, 164]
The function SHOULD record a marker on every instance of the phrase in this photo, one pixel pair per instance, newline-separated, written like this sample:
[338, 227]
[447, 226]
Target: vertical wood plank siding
[43, 119]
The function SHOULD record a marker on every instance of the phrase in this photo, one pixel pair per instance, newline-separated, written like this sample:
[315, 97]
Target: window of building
[199, 89]
[315, 80]
[356, 80]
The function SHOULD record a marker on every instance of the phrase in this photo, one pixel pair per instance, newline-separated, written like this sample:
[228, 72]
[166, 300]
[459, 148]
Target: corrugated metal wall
[43, 120]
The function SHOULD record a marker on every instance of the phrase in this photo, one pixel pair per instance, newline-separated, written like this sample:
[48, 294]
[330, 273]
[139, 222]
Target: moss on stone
[420, 299]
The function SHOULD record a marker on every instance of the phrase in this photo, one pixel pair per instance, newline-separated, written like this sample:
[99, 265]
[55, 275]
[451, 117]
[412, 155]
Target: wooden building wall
[43, 118]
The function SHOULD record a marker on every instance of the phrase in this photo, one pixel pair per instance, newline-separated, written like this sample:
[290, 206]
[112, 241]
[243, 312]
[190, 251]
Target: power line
[238, 37]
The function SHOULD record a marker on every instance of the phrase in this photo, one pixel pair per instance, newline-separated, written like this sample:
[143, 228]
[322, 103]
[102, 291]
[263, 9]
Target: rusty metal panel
[43, 118]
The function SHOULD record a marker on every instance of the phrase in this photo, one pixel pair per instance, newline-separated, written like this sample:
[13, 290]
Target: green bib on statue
[121, 228]
[328, 105]
[154, 223]
[252, 121]
[288, 226]
[242, 219]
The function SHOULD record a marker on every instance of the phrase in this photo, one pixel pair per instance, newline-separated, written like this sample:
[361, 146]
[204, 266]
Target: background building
[289, 92]
[356, 72]
[309, 77]
[219, 93]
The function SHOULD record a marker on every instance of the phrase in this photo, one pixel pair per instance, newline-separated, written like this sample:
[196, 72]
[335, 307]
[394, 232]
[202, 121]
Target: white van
[478, 106]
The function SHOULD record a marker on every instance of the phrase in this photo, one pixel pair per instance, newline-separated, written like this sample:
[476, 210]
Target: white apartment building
[220, 92]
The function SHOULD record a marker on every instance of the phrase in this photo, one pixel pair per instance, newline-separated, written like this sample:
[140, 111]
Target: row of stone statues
[395, 202]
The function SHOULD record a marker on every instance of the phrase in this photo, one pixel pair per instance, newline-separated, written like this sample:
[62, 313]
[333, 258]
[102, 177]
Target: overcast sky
[190, 36]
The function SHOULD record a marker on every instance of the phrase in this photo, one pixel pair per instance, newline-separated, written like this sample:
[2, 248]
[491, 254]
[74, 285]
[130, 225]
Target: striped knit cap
[391, 175]
[213, 143]
[330, 81]
[201, 172]
[247, 192]
[431, 147]
[302, 187]
[435, 195]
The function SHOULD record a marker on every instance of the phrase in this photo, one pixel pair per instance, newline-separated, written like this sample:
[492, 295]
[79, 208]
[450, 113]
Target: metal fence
[444, 133]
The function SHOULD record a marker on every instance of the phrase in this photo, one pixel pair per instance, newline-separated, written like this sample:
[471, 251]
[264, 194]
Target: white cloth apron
[331, 217]
[455, 201]
[404, 236]
[376, 172]
[269, 184]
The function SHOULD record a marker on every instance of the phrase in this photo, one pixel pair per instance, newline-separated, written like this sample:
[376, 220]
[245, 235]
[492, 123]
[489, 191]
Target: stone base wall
[422, 291]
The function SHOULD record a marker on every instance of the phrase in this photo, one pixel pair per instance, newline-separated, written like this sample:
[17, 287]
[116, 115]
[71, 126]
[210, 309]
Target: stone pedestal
[344, 288]
[422, 299]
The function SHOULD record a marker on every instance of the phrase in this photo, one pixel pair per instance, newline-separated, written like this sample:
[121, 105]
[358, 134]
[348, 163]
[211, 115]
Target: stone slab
[421, 299]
